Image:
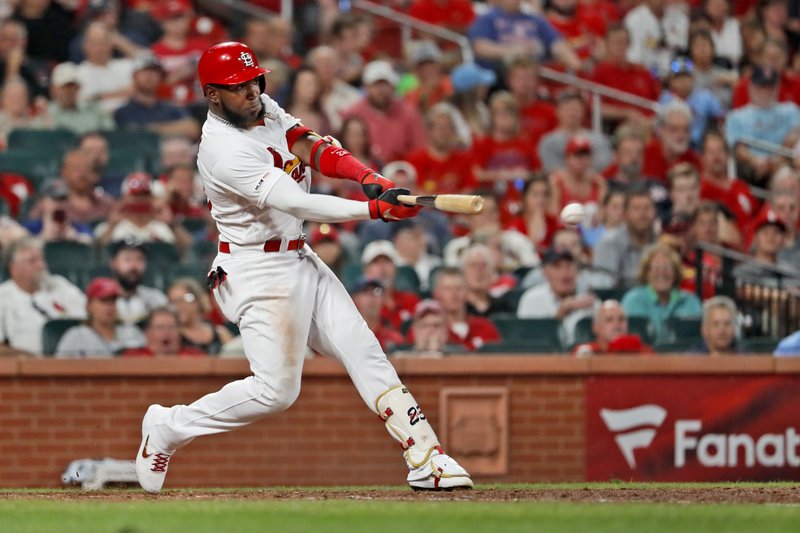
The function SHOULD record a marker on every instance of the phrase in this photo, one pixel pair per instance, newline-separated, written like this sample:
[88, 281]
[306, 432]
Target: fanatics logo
[623, 420]
[247, 59]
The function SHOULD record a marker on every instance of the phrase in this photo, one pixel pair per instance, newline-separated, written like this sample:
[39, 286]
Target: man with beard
[255, 161]
[670, 145]
[128, 264]
[32, 297]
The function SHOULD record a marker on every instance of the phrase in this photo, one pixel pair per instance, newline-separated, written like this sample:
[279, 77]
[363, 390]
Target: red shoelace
[160, 462]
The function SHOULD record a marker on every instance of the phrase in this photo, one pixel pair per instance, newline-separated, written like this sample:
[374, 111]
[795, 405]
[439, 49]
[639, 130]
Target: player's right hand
[373, 184]
[387, 207]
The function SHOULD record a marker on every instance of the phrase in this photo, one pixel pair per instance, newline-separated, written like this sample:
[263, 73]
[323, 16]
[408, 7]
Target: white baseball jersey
[239, 168]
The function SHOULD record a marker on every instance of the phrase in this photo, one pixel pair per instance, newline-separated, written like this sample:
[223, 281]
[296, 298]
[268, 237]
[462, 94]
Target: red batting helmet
[229, 63]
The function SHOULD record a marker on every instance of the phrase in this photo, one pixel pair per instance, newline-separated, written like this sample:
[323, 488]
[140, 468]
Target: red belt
[269, 246]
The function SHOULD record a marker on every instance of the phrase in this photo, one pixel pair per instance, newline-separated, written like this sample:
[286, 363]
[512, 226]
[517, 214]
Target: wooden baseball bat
[452, 203]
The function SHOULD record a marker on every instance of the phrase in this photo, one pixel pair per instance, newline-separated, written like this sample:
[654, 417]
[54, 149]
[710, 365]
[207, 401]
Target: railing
[766, 309]
[767, 146]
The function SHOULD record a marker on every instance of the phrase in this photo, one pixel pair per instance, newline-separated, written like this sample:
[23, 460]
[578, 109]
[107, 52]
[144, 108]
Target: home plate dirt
[667, 494]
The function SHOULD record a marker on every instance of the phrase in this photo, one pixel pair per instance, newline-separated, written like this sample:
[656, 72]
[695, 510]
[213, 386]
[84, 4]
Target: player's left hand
[373, 184]
[388, 208]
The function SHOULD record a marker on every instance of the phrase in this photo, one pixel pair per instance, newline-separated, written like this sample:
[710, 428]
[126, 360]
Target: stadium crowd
[106, 237]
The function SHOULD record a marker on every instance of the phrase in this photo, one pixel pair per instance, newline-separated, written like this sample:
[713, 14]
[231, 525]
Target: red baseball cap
[170, 9]
[767, 218]
[138, 183]
[101, 288]
[578, 144]
[426, 307]
[324, 232]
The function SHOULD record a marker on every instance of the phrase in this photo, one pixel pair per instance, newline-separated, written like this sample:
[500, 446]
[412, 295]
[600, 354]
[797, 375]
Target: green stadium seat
[36, 165]
[610, 294]
[522, 347]
[197, 272]
[69, 259]
[760, 345]
[406, 279]
[641, 326]
[53, 140]
[123, 162]
[203, 252]
[513, 296]
[536, 334]
[146, 143]
[162, 254]
[583, 330]
[350, 274]
[193, 225]
[53, 331]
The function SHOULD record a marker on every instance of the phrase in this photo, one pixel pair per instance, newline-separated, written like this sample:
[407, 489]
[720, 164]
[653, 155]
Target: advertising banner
[693, 428]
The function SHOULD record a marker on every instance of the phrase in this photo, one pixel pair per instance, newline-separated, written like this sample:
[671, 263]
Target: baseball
[572, 214]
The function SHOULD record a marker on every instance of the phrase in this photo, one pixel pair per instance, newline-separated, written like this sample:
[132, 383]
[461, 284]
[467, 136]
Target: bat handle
[407, 199]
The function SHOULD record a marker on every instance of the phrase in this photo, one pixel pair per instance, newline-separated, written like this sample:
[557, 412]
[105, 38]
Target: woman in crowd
[305, 101]
[534, 220]
[192, 305]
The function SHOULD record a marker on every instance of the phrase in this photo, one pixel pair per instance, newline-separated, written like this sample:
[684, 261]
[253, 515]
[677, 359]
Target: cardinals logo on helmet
[247, 59]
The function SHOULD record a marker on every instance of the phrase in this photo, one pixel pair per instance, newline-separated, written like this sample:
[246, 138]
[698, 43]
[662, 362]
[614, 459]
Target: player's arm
[326, 155]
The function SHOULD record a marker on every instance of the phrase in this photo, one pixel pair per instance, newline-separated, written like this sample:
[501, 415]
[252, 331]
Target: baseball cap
[364, 283]
[469, 75]
[55, 189]
[553, 256]
[764, 76]
[426, 307]
[128, 243]
[64, 74]
[324, 233]
[769, 218]
[102, 288]
[390, 169]
[170, 9]
[426, 51]
[376, 249]
[379, 70]
[137, 184]
[147, 61]
[578, 144]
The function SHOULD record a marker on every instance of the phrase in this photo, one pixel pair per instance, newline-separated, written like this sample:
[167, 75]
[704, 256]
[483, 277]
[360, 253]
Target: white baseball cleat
[151, 464]
[439, 472]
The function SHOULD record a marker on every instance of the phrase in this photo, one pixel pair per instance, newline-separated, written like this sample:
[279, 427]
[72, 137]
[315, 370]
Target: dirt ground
[588, 494]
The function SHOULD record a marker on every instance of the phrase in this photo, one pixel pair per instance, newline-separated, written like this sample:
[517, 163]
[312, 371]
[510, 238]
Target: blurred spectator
[411, 243]
[658, 297]
[534, 219]
[132, 30]
[706, 73]
[684, 192]
[443, 167]
[724, 30]
[17, 112]
[486, 287]
[618, 252]
[336, 95]
[769, 232]
[177, 151]
[327, 245]
[304, 100]
[753, 38]
[65, 111]
[102, 78]
[31, 297]
[163, 337]
[583, 29]
[610, 217]
[95, 146]
[706, 109]
[145, 110]
[559, 296]
[101, 336]
[384, 113]
[571, 112]
[717, 186]
[192, 305]
[471, 85]
[764, 119]
[626, 170]
[506, 31]
[505, 156]
[53, 223]
[432, 84]
[455, 15]
[470, 331]
[49, 28]
[128, 264]
[786, 207]
[368, 296]
[774, 17]
[10, 231]
[429, 332]
[718, 328]
[181, 196]
[772, 54]
[14, 61]
[617, 72]
[178, 51]
[379, 260]
[538, 115]
[87, 202]
[345, 42]
[356, 138]
[658, 29]
[577, 181]
[610, 328]
[672, 143]
[790, 346]
[139, 217]
[271, 39]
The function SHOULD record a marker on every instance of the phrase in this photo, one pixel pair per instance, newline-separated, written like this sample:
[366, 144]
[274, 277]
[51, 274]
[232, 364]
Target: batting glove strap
[373, 184]
[388, 208]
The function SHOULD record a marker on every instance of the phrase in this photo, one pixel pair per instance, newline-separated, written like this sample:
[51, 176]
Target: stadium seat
[636, 325]
[610, 294]
[69, 259]
[682, 331]
[641, 326]
[761, 345]
[583, 330]
[350, 274]
[36, 165]
[162, 254]
[406, 279]
[197, 272]
[53, 331]
[123, 162]
[53, 140]
[522, 347]
[513, 296]
[535, 334]
[146, 143]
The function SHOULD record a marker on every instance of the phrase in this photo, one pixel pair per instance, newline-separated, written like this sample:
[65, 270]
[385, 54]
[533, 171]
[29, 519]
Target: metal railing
[767, 146]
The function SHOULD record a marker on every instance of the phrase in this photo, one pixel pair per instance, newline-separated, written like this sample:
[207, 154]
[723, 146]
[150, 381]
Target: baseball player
[254, 161]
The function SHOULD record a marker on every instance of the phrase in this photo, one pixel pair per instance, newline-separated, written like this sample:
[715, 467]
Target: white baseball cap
[379, 71]
[64, 73]
[376, 249]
